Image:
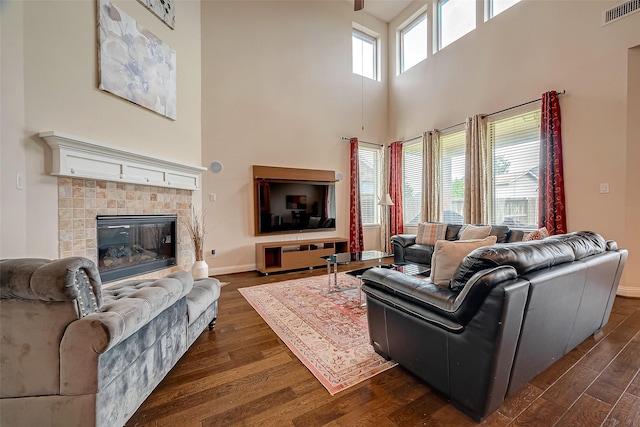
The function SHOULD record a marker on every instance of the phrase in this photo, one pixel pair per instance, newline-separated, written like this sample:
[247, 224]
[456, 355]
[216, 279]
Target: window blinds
[515, 148]
[412, 170]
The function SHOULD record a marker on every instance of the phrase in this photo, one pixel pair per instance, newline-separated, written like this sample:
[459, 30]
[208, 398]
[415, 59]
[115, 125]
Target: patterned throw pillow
[429, 233]
[538, 234]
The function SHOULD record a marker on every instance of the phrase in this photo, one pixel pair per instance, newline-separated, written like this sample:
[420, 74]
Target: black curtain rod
[521, 105]
[451, 127]
[344, 138]
[501, 111]
[411, 139]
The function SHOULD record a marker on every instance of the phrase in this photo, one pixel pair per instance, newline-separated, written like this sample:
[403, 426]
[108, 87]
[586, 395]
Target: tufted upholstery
[68, 343]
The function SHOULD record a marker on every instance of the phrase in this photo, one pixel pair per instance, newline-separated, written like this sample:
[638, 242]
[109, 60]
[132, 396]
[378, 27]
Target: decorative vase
[200, 270]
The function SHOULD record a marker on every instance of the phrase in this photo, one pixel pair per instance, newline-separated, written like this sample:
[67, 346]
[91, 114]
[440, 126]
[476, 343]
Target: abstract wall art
[163, 9]
[134, 64]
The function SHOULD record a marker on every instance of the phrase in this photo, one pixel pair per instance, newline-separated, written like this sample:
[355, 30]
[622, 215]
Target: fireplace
[131, 245]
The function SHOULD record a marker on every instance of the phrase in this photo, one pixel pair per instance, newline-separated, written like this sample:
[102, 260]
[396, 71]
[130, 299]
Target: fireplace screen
[130, 245]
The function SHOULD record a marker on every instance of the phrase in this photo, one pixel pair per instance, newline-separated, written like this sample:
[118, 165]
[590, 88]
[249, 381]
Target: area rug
[327, 331]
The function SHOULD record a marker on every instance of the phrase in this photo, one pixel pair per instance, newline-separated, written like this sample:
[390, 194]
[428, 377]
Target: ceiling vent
[620, 11]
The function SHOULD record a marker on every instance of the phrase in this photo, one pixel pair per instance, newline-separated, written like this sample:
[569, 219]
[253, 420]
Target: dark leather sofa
[406, 250]
[511, 310]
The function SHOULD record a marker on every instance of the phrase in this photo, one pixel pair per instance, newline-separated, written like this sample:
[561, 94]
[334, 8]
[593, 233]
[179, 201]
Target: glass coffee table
[345, 258]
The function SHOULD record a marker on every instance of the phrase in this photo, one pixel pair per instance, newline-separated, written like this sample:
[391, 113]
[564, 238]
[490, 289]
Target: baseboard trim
[629, 291]
[232, 269]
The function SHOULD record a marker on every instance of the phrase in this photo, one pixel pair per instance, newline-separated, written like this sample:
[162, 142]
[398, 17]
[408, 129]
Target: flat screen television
[289, 206]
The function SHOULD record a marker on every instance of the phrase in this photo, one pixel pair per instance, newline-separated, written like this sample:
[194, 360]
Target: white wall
[50, 82]
[533, 47]
[278, 91]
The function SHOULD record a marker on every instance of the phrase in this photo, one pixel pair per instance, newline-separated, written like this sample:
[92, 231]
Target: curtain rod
[411, 139]
[344, 138]
[501, 111]
[520, 105]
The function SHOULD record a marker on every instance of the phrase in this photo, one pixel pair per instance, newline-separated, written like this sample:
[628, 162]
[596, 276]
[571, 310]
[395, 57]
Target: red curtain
[396, 221]
[356, 237]
[551, 202]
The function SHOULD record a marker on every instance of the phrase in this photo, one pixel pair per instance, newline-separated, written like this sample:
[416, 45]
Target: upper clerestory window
[365, 53]
[413, 43]
[456, 18]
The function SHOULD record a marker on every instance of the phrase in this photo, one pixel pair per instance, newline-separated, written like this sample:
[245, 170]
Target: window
[413, 43]
[515, 148]
[412, 182]
[364, 54]
[370, 184]
[456, 18]
[452, 168]
[498, 6]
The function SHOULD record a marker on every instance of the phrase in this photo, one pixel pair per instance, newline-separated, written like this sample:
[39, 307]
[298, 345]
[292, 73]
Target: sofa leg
[598, 335]
[212, 323]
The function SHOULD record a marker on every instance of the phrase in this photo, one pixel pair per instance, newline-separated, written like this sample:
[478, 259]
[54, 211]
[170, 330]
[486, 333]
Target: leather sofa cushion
[583, 243]
[502, 233]
[404, 240]
[529, 256]
[452, 231]
[431, 302]
[420, 254]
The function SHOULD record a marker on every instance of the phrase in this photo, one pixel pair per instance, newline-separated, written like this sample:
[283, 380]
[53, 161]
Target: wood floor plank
[586, 412]
[541, 412]
[241, 374]
[615, 379]
[518, 402]
[335, 408]
[626, 413]
[634, 388]
[570, 386]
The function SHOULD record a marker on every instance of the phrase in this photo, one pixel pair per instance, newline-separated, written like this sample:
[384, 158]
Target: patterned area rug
[327, 331]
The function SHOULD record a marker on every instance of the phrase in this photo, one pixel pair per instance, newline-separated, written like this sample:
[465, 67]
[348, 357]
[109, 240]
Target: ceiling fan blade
[358, 5]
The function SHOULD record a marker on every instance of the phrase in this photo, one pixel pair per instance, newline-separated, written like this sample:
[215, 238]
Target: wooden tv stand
[272, 257]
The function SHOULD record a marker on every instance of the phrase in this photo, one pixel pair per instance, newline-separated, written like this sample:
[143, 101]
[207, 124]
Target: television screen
[294, 206]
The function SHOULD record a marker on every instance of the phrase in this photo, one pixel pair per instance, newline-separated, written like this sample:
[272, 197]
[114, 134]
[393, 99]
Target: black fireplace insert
[130, 245]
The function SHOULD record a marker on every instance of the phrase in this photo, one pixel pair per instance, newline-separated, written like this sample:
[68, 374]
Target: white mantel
[82, 158]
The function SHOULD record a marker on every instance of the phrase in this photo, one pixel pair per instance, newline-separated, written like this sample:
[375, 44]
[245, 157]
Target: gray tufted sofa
[76, 354]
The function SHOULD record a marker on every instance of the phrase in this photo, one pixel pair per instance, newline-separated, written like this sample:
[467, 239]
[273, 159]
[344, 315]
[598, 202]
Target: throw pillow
[470, 232]
[538, 234]
[429, 233]
[448, 255]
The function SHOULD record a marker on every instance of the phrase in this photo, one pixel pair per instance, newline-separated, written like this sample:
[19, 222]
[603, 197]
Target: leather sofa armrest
[458, 307]
[404, 240]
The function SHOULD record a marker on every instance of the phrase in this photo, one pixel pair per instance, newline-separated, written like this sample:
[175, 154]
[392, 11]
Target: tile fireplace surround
[81, 200]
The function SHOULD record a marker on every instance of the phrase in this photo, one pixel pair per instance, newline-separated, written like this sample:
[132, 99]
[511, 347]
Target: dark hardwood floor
[242, 374]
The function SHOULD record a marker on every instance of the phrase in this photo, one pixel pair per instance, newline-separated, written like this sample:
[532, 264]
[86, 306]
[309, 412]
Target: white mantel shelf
[82, 158]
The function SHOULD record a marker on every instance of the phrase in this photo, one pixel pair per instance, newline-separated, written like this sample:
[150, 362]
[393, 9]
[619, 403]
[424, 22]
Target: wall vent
[620, 11]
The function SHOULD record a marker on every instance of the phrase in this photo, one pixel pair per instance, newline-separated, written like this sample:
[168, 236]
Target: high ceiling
[384, 10]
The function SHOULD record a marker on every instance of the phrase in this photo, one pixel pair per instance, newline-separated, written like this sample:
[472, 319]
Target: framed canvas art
[163, 9]
[134, 64]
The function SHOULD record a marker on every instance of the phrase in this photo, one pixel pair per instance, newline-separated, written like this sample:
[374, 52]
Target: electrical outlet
[213, 253]
[604, 188]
